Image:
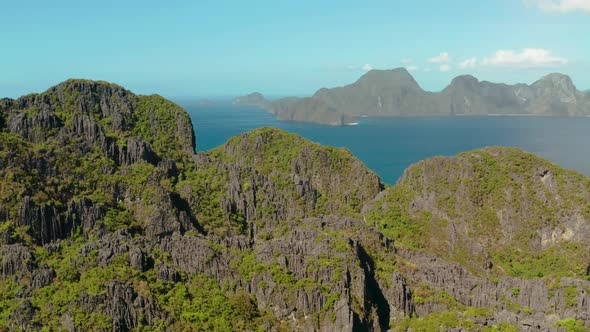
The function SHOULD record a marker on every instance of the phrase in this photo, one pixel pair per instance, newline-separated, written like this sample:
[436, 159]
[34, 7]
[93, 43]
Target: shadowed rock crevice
[47, 223]
[375, 299]
[185, 214]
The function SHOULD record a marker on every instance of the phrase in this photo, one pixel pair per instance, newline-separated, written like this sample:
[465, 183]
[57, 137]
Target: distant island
[395, 93]
[252, 99]
[206, 102]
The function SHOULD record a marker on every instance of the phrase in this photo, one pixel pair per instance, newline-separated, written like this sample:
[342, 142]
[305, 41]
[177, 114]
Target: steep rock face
[468, 96]
[33, 128]
[110, 221]
[95, 110]
[557, 94]
[16, 260]
[47, 223]
[377, 93]
[489, 202]
[126, 309]
[531, 305]
[336, 271]
[101, 99]
[554, 94]
[380, 92]
[105, 200]
[268, 175]
[294, 109]
[72, 139]
[500, 214]
[92, 136]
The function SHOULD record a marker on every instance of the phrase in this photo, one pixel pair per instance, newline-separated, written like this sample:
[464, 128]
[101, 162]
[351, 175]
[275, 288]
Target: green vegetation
[572, 325]
[247, 265]
[165, 125]
[482, 193]
[237, 238]
[391, 216]
[563, 260]
[515, 292]
[267, 160]
[198, 304]
[571, 294]
[502, 327]
[400, 96]
[202, 305]
[8, 301]
[441, 321]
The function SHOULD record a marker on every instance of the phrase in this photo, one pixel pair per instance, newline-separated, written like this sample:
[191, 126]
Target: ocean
[389, 145]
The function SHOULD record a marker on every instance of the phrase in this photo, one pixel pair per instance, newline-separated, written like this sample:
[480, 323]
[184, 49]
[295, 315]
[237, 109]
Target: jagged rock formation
[395, 93]
[267, 176]
[483, 208]
[509, 222]
[110, 221]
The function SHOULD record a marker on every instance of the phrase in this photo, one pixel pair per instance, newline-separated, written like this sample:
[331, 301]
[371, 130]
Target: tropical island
[109, 221]
[395, 93]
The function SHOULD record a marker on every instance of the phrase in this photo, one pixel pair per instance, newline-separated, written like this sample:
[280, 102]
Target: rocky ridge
[110, 221]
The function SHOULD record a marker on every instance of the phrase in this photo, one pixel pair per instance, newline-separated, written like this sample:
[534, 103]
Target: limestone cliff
[110, 221]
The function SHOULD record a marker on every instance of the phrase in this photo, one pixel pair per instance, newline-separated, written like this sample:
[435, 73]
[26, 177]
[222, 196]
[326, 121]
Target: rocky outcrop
[42, 277]
[95, 112]
[347, 274]
[135, 151]
[162, 213]
[126, 309]
[264, 189]
[92, 136]
[104, 99]
[486, 201]
[532, 305]
[16, 260]
[107, 224]
[21, 318]
[33, 127]
[47, 223]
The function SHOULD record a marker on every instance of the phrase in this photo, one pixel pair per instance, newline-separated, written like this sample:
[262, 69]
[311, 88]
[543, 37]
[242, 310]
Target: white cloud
[441, 58]
[426, 70]
[406, 61]
[365, 67]
[526, 58]
[561, 6]
[444, 67]
[412, 68]
[468, 63]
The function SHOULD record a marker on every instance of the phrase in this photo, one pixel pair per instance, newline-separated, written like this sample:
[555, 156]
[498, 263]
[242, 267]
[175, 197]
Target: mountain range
[395, 93]
[109, 221]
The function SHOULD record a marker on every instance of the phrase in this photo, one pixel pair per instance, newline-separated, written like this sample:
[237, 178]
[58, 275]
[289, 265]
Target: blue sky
[224, 48]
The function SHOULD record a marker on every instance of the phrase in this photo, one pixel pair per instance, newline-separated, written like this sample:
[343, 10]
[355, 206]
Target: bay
[389, 145]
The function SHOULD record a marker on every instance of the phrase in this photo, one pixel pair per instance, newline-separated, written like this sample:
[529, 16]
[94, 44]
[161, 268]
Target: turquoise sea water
[389, 146]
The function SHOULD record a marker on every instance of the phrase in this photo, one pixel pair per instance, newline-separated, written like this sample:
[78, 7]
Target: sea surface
[388, 146]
